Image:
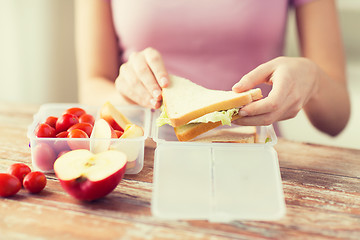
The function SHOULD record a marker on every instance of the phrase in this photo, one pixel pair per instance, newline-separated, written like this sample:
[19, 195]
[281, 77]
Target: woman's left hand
[294, 81]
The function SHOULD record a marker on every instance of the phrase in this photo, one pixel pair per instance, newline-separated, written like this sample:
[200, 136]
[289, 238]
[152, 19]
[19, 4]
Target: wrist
[315, 75]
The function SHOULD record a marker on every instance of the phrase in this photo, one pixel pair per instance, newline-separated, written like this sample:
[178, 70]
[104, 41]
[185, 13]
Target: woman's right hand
[142, 77]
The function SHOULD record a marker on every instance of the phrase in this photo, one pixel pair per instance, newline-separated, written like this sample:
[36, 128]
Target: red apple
[101, 136]
[116, 119]
[88, 176]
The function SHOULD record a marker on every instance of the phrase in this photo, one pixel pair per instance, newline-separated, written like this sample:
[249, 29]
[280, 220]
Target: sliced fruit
[101, 136]
[88, 176]
[114, 117]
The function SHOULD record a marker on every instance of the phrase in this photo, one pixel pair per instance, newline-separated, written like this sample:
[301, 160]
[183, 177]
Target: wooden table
[321, 187]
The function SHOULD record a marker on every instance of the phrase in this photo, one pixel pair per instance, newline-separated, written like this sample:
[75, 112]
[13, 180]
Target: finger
[145, 75]
[157, 66]
[258, 120]
[274, 108]
[260, 74]
[277, 99]
[131, 87]
[267, 118]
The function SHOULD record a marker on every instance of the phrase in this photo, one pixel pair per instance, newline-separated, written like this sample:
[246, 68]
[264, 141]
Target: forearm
[329, 108]
[320, 41]
[97, 52]
[97, 90]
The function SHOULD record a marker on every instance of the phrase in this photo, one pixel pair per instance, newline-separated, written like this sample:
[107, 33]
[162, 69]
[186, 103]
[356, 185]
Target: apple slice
[132, 147]
[101, 136]
[88, 176]
[132, 131]
[116, 119]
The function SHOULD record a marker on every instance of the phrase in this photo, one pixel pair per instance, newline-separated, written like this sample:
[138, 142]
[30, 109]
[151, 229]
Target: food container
[218, 182]
[44, 151]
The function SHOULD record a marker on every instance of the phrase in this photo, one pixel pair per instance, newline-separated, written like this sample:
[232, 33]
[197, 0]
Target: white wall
[37, 61]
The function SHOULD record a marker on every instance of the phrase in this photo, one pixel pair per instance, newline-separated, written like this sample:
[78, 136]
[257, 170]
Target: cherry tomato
[62, 134]
[51, 121]
[119, 133]
[86, 127]
[65, 121]
[34, 182]
[60, 144]
[9, 185]
[19, 170]
[44, 156]
[76, 111]
[61, 153]
[77, 133]
[77, 144]
[87, 118]
[45, 130]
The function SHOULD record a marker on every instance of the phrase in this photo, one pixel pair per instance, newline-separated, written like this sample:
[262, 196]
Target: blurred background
[37, 60]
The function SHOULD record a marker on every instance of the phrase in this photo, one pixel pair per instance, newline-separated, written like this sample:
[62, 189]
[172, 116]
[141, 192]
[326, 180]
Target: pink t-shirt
[213, 43]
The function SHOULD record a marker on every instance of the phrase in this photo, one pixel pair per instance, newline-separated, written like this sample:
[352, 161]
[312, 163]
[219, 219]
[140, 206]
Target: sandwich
[239, 134]
[193, 110]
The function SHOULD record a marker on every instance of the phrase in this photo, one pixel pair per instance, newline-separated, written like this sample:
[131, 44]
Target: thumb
[260, 74]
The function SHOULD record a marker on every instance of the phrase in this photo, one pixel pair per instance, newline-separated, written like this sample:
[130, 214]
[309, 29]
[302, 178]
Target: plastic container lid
[219, 182]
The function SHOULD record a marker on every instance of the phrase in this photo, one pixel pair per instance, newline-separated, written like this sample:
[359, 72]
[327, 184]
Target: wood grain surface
[321, 186]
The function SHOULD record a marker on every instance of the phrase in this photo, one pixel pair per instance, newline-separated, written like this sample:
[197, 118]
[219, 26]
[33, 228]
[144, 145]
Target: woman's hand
[142, 77]
[294, 82]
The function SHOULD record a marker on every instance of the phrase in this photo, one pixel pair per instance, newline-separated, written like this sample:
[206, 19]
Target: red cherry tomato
[86, 127]
[35, 182]
[51, 121]
[77, 144]
[87, 118]
[19, 170]
[65, 121]
[61, 153]
[9, 185]
[77, 133]
[62, 134]
[76, 111]
[44, 156]
[60, 144]
[45, 130]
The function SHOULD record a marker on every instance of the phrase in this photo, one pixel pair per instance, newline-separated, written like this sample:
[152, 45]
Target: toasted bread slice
[239, 134]
[185, 100]
[189, 131]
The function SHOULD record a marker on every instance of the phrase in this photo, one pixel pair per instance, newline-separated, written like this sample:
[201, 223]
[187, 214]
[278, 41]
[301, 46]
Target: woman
[126, 49]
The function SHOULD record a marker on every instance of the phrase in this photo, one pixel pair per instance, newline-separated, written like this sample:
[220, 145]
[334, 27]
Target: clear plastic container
[218, 182]
[44, 151]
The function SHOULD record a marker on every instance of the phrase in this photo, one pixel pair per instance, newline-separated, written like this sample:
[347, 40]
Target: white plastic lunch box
[218, 182]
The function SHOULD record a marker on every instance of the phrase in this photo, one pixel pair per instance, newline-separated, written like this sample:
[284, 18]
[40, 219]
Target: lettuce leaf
[163, 118]
[223, 116]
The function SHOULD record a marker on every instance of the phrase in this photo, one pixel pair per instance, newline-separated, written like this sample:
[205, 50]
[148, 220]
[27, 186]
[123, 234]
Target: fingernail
[163, 82]
[237, 86]
[156, 93]
[243, 113]
[153, 102]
